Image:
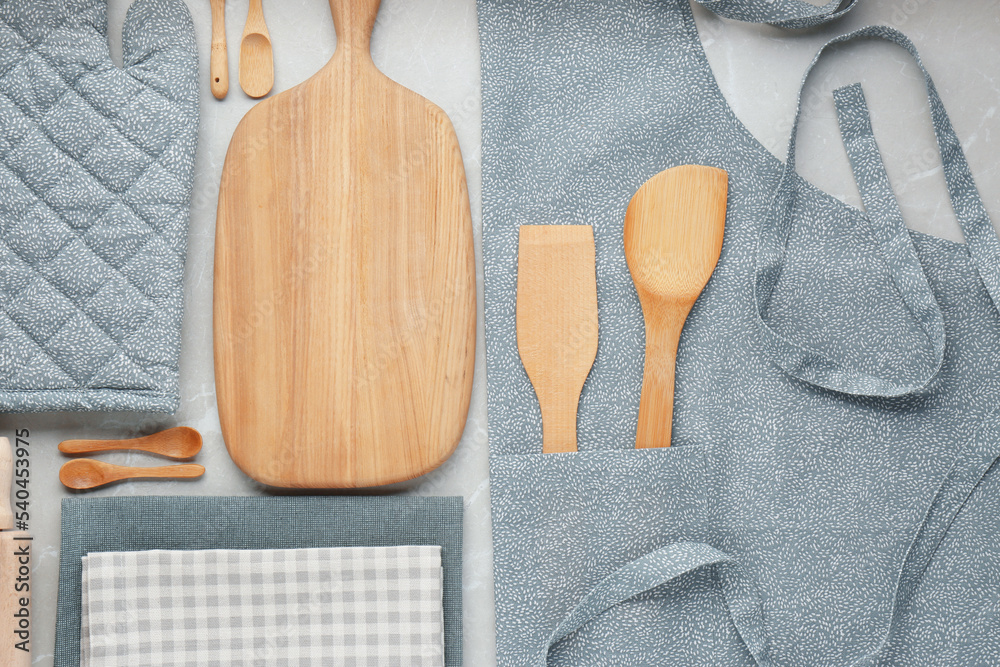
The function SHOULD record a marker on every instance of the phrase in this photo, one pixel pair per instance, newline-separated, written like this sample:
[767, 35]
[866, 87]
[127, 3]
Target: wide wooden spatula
[557, 322]
[673, 237]
[345, 283]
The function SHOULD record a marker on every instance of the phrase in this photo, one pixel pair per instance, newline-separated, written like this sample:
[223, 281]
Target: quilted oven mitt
[96, 169]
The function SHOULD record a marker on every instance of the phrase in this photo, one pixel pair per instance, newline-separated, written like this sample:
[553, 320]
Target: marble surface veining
[431, 46]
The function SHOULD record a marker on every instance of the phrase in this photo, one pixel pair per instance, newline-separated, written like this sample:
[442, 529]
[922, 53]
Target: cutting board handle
[355, 21]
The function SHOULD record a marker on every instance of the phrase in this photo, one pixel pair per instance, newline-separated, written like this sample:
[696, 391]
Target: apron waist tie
[742, 596]
[663, 566]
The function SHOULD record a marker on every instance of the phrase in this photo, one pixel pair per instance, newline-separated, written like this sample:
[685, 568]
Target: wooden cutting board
[345, 290]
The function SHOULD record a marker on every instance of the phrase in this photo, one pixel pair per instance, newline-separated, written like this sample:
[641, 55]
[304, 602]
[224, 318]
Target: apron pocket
[581, 541]
[633, 557]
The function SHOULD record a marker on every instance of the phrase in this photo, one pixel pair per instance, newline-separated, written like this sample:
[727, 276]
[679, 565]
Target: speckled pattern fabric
[832, 495]
[96, 170]
[785, 13]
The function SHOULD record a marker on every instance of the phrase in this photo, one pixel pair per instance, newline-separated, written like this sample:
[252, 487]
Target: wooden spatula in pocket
[674, 228]
[557, 322]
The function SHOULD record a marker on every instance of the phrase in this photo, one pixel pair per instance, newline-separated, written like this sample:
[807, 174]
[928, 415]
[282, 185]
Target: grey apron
[831, 498]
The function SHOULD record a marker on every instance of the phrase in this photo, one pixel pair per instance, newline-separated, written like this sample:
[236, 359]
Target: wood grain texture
[15, 600]
[219, 70]
[15, 575]
[557, 328]
[674, 229]
[256, 55]
[181, 442]
[345, 290]
[84, 474]
[6, 479]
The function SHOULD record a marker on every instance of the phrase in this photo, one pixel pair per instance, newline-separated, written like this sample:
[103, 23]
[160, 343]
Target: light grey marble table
[431, 46]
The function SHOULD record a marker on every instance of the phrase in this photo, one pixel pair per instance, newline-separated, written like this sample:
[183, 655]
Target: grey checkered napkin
[361, 606]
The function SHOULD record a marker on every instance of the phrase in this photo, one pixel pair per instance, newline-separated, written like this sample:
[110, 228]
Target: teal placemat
[192, 523]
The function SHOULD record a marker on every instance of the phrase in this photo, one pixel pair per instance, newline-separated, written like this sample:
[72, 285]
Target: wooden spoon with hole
[673, 237]
[82, 474]
[175, 443]
[220, 57]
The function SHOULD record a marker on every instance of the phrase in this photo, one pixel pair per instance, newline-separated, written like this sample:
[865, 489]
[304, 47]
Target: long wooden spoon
[557, 322]
[673, 237]
[256, 57]
[175, 443]
[82, 474]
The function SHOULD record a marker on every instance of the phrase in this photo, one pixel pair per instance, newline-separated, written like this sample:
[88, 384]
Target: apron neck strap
[892, 237]
[980, 236]
[876, 191]
[866, 161]
[887, 225]
[791, 14]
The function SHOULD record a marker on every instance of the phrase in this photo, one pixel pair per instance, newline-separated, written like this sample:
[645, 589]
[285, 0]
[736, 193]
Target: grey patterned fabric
[96, 169]
[189, 523]
[831, 498]
[784, 13]
[354, 606]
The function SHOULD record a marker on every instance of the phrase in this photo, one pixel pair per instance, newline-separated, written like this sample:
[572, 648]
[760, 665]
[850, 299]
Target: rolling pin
[15, 575]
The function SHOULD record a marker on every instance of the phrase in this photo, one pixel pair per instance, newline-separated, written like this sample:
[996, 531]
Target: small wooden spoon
[673, 237]
[175, 443]
[256, 58]
[220, 56]
[83, 474]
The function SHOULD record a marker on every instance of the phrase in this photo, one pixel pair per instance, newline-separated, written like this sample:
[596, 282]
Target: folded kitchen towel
[128, 524]
[376, 606]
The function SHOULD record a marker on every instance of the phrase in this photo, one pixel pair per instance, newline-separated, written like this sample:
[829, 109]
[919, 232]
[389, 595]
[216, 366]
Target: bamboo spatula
[557, 322]
[673, 237]
[345, 279]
